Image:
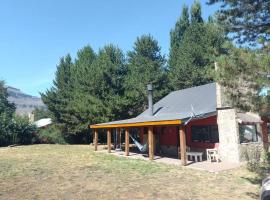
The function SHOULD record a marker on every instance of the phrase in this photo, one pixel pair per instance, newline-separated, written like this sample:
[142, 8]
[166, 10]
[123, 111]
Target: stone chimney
[218, 90]
[150, 99]
[227, 127]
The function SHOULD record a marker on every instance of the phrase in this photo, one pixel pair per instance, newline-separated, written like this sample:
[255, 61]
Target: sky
[35, 34]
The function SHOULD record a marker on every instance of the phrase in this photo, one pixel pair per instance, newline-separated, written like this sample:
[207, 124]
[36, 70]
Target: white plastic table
[196, 155]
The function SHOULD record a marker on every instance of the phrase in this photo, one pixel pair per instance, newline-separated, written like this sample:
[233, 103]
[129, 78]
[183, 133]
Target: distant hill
[25, 103]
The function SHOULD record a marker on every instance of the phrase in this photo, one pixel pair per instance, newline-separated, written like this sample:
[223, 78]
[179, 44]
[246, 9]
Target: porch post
[96, 139]
[151, 142]
[119, 137]
[126, 142]
[183, 146]
[109, 140]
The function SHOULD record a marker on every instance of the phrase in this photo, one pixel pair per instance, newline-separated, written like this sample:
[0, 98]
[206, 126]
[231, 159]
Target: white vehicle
[265, 192]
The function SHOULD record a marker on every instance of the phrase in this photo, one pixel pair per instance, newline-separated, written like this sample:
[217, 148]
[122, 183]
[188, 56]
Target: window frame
[210, 134]
[240, 134]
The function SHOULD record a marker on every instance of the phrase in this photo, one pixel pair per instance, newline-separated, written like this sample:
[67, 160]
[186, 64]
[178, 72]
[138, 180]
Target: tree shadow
[253, 195]
[261, 173]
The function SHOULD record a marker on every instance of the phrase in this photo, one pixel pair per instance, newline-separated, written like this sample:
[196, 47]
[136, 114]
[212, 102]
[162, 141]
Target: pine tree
[201, 43]
[246, 21]
[145, 65]
[176, 35]
[58, 97]
[196, 13]
[98, 88]
[110, 69]
[245, 72]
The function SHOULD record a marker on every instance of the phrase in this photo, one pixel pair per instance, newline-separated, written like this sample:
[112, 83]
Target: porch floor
[213, 167]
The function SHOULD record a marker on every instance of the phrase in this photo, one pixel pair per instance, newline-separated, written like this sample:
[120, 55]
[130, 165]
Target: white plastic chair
[212, 155]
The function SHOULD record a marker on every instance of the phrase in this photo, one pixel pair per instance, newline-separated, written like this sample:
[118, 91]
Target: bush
[22, 132]
[252, 155]
[266, 160]
[258, 159]
[51, 135]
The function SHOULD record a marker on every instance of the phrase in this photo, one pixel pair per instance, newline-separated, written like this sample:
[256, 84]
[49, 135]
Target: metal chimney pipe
[150, 99]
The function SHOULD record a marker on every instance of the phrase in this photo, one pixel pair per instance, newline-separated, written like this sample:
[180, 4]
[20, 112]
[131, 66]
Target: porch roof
[174, 109]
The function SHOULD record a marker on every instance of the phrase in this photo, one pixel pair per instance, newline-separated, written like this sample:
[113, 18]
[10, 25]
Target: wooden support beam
[127, 142]
[154, 142]
[96, 139]
[138, 124]
[109, 140]
[118, 138]
[183, 146]
[151, 142]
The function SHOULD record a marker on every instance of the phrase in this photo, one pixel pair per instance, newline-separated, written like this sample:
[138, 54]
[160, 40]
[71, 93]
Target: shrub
[266, 160]
[51, 135]
[22, 132]
[252, 155]
[258, 159]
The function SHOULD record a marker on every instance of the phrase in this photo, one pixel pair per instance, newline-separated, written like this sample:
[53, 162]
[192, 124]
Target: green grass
[77, 172]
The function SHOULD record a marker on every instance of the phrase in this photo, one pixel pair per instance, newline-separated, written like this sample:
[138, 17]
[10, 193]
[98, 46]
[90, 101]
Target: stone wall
[228, 135]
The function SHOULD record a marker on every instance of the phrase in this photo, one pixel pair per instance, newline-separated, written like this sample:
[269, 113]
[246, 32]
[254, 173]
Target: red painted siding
[207, 121]
[169, 134]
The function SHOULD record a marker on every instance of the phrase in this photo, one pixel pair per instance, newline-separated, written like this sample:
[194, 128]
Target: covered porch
[150, 127]
[214, 167]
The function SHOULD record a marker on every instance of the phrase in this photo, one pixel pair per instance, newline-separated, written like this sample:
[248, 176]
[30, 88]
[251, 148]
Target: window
[248, 133]
[207, 133]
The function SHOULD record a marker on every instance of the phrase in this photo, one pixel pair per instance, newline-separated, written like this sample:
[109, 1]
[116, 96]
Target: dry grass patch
[76, 172]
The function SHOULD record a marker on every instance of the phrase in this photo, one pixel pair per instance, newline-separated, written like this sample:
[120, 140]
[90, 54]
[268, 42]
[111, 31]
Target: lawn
[77, 172]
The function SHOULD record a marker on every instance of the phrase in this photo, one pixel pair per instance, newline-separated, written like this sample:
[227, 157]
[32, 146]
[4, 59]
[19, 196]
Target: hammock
[142, 148]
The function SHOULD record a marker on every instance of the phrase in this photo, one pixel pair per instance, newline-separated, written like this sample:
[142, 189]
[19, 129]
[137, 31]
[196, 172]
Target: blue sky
[35, 34]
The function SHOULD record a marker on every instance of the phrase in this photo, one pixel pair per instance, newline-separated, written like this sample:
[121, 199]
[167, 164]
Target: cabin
[194, 119]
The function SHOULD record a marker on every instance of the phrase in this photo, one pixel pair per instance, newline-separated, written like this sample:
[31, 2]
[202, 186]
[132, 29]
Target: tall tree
[243, 73]
[196, 13]
[82, 69]
[58, 97]
[145, 65]
[176, 35]
[7, 110]
[201, 43]
[98, 88]
[110, 69]
[247, 21]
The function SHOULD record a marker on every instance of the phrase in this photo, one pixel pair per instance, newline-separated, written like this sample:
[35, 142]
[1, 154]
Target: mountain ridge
[25, 103]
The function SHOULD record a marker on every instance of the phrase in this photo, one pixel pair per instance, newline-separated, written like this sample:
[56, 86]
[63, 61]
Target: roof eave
[137, 124]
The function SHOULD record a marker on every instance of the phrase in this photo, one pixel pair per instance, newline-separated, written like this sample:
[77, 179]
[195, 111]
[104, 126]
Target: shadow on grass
[253, 195]
[261, 173]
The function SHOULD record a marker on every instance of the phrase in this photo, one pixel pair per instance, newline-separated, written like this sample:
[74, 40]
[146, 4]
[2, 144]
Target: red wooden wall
[207, 121]
[170, 136]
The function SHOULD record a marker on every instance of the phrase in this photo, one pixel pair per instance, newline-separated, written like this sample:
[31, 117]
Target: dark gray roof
[181, 104]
